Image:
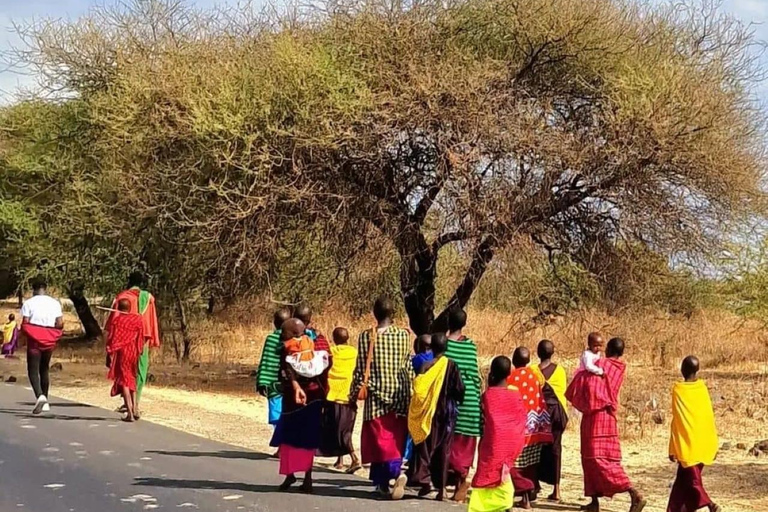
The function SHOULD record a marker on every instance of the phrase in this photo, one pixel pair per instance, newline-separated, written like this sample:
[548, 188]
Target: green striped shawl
[463, 352]
[269, 367]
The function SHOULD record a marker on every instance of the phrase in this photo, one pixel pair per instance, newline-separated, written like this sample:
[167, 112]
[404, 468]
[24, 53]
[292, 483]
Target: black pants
[38, 362]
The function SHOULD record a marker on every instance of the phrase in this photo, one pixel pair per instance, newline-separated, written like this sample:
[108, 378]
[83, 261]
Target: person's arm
[358, 375]
[589, 364]
[459, 388]
[289, 376]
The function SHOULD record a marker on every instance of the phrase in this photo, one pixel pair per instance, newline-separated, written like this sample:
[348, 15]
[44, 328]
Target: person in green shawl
[268, 373]
[143, 303]
[463, 352]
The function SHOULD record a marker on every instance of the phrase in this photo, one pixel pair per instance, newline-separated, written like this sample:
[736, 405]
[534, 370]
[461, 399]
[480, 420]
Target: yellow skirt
[493, 499]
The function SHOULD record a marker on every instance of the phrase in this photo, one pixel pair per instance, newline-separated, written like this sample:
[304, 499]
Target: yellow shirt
[341, 372]
[8, 331]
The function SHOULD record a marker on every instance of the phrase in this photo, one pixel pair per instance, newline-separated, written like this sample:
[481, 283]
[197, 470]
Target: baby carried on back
[302, 357]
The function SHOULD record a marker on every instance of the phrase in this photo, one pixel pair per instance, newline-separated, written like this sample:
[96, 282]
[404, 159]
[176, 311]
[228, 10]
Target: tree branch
[447, 238]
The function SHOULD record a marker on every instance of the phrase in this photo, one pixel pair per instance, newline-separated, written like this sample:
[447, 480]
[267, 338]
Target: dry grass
[217, 389]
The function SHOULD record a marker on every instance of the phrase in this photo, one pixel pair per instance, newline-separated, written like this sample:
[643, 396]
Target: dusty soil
[218, 401]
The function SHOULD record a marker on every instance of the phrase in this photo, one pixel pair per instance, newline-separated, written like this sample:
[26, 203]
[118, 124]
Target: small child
[340, 410]
[693, 442]
[423, 352]
[422, 347]
[591, 356]
[9, 336]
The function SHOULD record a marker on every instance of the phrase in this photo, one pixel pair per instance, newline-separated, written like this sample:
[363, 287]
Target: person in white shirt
[591, 356]
[42, 324]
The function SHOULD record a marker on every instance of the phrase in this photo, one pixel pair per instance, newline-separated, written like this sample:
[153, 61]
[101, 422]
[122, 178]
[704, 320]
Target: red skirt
[383, 438]
[125, 364]
[462, 457]
[601, 456]
[688, 492]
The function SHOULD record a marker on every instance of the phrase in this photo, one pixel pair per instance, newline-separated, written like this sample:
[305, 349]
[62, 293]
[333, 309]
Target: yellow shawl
[341, 372]
[558, 381]
[694, 434]
[426, 393]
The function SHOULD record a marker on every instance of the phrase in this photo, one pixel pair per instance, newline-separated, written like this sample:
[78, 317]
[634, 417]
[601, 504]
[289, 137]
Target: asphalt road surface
[79, 458]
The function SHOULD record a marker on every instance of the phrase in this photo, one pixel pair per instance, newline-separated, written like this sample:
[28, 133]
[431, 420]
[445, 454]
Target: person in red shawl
[143, 303]
[126, 339]
[597, 398]
[538, 425]
[502, 442]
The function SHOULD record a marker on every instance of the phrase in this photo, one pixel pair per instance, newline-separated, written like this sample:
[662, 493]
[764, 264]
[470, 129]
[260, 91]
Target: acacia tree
[574, 124]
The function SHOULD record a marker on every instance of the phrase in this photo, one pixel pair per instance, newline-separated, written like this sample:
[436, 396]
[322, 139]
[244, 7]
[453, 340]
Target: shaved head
[595, 339]
[281, 315]
[521, 357]
[690, 367]
[501, 367]
[615, 348]
[292, 328]
[545, 350]
[304, 313]
[124, 305]
[383, 309]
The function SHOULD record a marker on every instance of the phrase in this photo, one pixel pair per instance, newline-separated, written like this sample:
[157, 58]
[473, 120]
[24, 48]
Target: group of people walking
[130, 331]
[426, 416]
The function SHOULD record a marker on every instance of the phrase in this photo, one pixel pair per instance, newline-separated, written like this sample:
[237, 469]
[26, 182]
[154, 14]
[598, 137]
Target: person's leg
[593, 506]
[45, 363]
[638, 502]
[33, 371]
[339, 462]
[557, 454]
[306, 485]
[126, 392]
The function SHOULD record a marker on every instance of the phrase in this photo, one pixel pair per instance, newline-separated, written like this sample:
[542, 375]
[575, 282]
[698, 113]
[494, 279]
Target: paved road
[84, 459]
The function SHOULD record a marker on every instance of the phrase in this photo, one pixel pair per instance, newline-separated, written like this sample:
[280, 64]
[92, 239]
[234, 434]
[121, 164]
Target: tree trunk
[185, 339]
[90, 324]
[480, 260]
[418, 270]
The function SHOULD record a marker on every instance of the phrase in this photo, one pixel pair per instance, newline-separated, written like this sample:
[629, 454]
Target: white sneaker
[398, 490]
[40, 404]
[47, 407]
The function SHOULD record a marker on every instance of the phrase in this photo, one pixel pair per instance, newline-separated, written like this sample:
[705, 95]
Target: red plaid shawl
[598, 399]
[591, 393]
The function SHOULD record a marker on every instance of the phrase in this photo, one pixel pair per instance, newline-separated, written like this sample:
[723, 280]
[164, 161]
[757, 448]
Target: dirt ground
[218, 402]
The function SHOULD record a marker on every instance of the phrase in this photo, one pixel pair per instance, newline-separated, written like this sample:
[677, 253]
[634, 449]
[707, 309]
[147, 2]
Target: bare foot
[714, 507]
[554, 497]
[461, 492]
[287, 483]
[354, 468]
[306, 486]
[339, 465]
[638, 504]
[128, 418]
[594, 506]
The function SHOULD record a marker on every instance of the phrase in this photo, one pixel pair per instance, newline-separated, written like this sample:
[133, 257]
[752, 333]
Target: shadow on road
[23, 414]
[62, 404]
[222, 454]
[320, 488]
